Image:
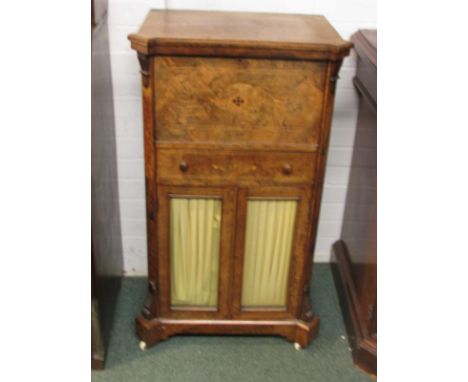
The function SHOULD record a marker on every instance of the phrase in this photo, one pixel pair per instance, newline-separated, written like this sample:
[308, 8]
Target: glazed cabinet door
[272, 238]
[195, 247]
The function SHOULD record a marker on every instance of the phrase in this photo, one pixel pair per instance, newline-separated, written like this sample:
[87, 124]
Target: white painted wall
[125, 16]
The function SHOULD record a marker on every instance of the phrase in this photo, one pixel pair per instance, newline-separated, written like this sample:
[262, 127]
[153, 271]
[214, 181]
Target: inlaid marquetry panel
[238, 100]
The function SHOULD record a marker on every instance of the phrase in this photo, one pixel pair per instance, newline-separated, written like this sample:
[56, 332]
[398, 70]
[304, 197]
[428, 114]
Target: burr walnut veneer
[237, 112]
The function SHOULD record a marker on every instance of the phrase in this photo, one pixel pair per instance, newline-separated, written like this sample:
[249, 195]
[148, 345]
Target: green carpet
[223, 358]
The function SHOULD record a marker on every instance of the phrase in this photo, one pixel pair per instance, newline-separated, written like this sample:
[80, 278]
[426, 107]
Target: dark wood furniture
[355, 255]
[237, 113]
[106, 247]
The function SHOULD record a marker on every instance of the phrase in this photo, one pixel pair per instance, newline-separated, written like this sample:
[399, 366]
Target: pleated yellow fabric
[267, 254]
[195, 238]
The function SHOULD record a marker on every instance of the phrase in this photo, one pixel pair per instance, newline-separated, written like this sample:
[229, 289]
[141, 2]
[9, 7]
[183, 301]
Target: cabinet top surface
[163, 30]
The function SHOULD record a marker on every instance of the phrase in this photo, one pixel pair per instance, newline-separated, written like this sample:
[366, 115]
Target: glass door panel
[195, 232]
[272, 231]
[195, 245]
[267, 252]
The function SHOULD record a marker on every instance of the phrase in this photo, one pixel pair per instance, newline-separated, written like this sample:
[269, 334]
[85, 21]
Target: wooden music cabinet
[237, 113]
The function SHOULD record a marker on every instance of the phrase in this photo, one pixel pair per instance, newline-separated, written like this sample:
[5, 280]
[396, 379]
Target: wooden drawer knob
[287, 169]
[183, 166]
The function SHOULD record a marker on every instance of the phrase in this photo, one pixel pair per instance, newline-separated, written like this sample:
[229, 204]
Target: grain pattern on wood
[238, 34]
[238, 100]
[150, 308]
[154, 331]
[234, 167]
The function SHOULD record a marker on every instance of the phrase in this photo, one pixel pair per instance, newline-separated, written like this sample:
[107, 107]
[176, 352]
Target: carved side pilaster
[307, 312]
[151, 306]
[145, 69]
[335, 76]
[149, 311]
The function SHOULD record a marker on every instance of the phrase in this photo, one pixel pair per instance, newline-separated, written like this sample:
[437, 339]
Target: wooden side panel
[356, 253]
[359, 230]
[151, 306]
[238, 100]
[106, 242]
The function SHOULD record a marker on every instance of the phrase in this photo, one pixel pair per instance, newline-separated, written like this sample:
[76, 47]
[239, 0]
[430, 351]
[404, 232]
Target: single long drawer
[234, 166]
